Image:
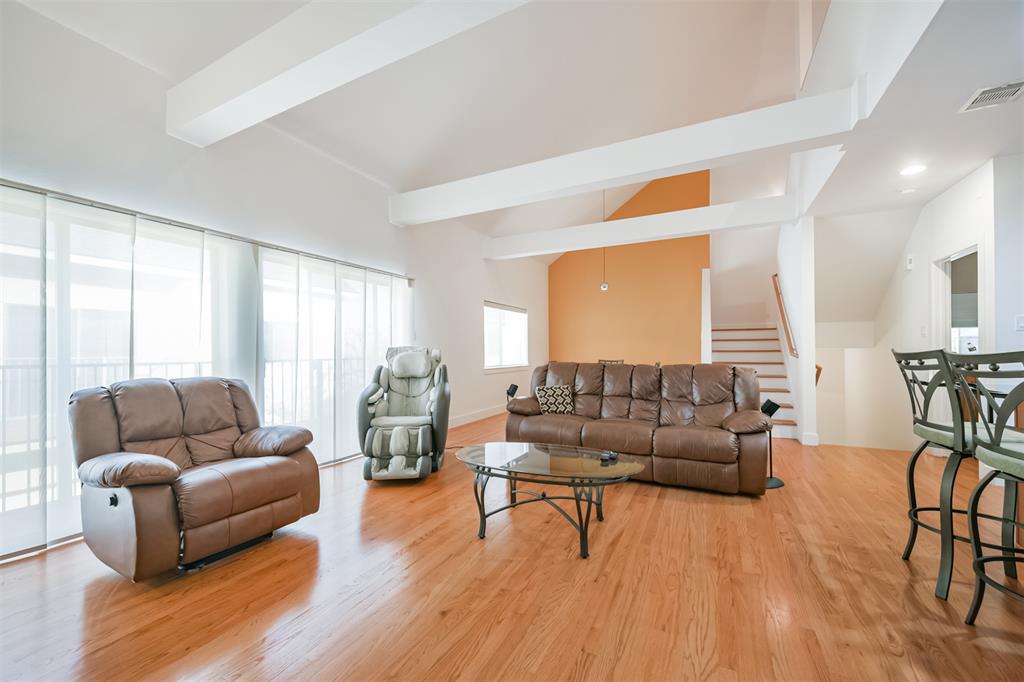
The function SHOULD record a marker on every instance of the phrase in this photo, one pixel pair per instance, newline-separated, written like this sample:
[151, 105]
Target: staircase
[760, 348]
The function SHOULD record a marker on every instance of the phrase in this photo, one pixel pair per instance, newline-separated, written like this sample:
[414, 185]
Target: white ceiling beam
[703, 220]
[317, 48]
[796, 125]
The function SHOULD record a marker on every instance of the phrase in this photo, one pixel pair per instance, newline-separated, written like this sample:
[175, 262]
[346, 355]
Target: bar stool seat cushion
[1003, 462]
[942, 437]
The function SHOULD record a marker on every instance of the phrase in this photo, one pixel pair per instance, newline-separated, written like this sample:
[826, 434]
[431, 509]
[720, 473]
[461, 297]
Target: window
[506, 341]
[89, 296]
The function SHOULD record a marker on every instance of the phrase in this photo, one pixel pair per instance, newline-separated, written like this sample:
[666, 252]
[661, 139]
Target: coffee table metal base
[586, 493]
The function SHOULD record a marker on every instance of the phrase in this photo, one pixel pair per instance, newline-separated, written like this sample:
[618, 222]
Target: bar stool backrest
[927, 373]
[996, 396]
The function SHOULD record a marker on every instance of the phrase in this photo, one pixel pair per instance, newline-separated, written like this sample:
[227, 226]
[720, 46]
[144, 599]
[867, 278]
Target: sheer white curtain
[171, 308]
[88, 332]
[317, 349]
[378, 320]
[89, 296]
[351, 354]
[23, 450]
[326, 327]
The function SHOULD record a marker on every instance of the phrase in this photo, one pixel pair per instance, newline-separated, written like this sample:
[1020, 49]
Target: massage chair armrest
[368, 399]
[439, 409]
[272, 440]
[528, 406]
[747, 421]
[125, 469]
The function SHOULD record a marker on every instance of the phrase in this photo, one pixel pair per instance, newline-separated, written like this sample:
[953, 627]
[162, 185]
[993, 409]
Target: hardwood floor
[389, 581]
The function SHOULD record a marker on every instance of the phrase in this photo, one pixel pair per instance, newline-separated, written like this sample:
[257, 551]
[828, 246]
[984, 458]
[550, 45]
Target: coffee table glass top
[539, 459]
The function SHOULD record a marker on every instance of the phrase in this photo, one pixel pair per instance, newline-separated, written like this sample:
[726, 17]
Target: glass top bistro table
[584, 470]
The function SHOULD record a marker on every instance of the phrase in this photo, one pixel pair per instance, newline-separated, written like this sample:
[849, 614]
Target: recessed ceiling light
[909, 190]
[914, 169]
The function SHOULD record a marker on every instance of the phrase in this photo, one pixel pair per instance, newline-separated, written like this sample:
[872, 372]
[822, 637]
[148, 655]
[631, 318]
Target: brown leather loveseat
[175, 471]
[691, 425]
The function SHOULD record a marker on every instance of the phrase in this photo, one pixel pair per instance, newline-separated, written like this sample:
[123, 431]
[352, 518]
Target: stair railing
[781, 303]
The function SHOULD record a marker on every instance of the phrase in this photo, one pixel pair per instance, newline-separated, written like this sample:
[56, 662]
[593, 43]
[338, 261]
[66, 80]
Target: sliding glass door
[89, 296]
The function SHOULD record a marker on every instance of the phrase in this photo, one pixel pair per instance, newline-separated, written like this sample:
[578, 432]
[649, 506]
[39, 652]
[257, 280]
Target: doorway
[963, 336]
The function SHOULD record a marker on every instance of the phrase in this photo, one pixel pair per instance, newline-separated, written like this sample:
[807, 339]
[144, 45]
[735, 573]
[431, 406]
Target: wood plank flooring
[389, 581]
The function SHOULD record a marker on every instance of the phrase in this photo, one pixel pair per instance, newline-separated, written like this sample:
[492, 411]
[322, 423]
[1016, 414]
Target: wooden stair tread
[774, 390]
[769, 338]
[784, 422]
[746, 350]
[743, 329]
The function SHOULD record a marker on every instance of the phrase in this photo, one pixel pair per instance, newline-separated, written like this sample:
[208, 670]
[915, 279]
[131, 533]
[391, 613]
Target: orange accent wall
[675, 193]
[652, 309]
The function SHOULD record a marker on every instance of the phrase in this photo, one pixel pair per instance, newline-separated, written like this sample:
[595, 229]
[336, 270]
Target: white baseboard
[809, 438]
[461, 419]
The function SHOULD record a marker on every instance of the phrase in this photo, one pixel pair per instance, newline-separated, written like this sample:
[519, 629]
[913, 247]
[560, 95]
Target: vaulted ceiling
[549, 78]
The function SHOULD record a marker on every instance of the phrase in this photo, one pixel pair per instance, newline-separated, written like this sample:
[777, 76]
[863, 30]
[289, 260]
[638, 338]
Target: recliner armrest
[272, 440]
[526, 406]
[747, 421]
[123, 469]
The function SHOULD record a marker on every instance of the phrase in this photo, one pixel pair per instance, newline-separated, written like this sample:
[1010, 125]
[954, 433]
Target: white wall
[845, 334]
[742, 263]
[869, 407]
[451, 276]
[78, 118]
[1008, 249]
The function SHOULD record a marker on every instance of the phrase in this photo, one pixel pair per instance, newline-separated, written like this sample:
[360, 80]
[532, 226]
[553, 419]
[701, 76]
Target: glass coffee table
[587, 472]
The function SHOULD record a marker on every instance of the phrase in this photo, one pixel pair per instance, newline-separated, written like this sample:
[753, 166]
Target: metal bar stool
[926, 373]
[997, 382]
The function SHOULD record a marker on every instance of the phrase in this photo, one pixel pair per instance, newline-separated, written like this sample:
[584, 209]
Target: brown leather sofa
[176, 471]
[690, 425]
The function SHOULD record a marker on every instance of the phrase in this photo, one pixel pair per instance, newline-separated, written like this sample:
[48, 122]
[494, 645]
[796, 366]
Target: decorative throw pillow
[555, 399]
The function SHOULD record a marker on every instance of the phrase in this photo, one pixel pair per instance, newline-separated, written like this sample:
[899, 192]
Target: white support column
[705, 315]
[806, 335]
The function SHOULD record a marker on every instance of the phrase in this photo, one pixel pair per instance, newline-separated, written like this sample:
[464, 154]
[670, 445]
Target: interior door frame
[942, 299]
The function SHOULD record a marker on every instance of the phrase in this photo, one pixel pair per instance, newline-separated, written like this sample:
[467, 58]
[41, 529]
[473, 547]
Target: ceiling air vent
[990, 97]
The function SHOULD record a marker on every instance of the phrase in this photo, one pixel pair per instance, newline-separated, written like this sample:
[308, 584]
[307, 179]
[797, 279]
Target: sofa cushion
[555, 429]
[618, 435]
[615, 407]
[149, 419]
[701, 443]
[209, 421]
[618, 380]
[712, 394]
[677, 406]
[561, 374]
[214, 491]
[147, 409]
[645, 391]
[206, 404]
[587, 390]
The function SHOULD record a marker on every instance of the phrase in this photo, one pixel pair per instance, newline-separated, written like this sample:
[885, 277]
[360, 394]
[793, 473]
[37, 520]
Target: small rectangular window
[506, 337]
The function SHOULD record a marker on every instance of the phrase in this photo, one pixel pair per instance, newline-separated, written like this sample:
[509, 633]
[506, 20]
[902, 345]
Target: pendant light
[604, 270]
[604, 251]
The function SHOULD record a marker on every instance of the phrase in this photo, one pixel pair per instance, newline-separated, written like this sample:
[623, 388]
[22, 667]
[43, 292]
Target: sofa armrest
[526, 406]
[124, 469]
[747, 421]
[272, 440]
